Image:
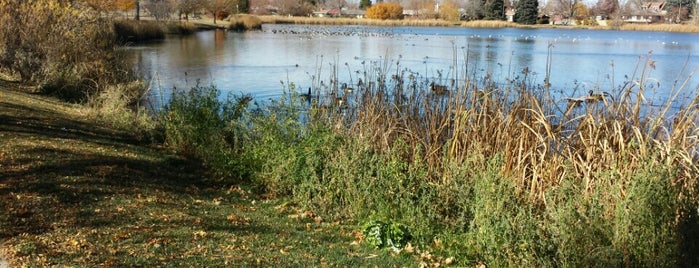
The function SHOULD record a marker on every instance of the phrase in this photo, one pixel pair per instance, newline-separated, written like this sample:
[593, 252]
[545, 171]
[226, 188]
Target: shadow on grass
[29, 121]
[54, 168]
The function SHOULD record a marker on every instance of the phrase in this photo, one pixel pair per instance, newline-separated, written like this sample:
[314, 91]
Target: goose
[438, 89]
[306, 96]
[595, 97]
[347, 89]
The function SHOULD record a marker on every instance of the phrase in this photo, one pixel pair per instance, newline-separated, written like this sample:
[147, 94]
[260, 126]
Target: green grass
[75, 193]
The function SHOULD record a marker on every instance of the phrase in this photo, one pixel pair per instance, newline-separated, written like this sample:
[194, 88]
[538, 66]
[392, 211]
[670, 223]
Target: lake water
[259, 62]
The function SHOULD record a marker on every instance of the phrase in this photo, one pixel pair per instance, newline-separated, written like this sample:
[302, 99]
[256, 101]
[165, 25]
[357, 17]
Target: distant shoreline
[269, 19]
[206, 23]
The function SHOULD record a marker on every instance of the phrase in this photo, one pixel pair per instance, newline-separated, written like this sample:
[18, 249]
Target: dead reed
[679, 28]
[245, 23]
[353, 21]
[542, 142]
[493, 24]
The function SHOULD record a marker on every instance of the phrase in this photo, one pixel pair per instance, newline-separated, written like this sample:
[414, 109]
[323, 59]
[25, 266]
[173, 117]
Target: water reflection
[256, 62]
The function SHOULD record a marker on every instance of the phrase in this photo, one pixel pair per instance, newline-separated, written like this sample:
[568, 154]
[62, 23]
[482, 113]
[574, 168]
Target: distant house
[336, 13]
[510, 14]
[354, 13]
[320, 13]
[651, 12]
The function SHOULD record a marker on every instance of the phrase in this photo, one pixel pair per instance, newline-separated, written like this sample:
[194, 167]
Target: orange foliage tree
[385, 11]
[125, 4]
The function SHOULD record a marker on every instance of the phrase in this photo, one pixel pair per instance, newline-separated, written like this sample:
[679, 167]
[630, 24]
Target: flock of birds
[316, 32]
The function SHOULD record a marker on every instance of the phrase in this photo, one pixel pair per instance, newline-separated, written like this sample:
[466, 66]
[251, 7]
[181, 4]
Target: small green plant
[386, 234]
[26, 248]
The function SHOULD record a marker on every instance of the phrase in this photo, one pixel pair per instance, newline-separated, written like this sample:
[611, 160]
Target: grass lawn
[74, 193]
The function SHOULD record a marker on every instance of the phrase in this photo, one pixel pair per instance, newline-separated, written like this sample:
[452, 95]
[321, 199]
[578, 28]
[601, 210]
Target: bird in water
[438, 89]
[306, 96]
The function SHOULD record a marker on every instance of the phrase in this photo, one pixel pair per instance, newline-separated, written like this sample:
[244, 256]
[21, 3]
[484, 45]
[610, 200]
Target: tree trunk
[138, 10]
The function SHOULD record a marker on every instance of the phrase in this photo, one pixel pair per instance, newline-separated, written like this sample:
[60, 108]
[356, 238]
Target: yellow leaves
[238, 220]
[307, 215]
[200, 234]
[383, 11]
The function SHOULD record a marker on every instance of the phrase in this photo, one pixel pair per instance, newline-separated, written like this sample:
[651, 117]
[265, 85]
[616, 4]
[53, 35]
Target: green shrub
[198, 124]
[646, 220]
[119, 106]
[505, 230]
[386, 234]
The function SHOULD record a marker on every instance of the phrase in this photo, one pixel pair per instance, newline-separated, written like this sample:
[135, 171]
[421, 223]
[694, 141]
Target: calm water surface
[258, 62]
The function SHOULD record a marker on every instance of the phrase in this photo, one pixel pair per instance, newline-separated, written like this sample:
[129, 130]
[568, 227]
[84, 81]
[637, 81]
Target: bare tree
[160, 9]
[565, 8]
[473, 9]
[186, 7]
[606, 7]
[218, 7]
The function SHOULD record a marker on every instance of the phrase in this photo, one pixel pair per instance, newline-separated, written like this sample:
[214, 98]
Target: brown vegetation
[385, 11]
[353, 21]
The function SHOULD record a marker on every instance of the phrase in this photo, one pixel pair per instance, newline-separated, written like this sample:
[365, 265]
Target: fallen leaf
[409, 248]
[449, 260]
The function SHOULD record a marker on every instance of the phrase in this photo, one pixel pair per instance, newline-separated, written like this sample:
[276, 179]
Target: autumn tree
[384, 11]
[581, 11]
[449, 11]
[527, 12]
[100, 5]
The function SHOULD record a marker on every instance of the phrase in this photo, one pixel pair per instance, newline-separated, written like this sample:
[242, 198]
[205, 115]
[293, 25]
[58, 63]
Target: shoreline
[271, 19]
[206, 24]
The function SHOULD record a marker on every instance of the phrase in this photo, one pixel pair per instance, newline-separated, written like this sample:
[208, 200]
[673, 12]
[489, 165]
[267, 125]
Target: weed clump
[197, 124]
[245, 23]
[66, 49]
[130, 31]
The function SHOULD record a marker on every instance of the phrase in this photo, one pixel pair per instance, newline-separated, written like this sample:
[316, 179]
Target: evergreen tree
[527, 11]
[679, 9]
[364, 4]
[494, 10]
[243, 6]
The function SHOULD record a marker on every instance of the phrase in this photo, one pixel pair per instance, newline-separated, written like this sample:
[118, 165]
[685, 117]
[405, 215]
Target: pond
[263, 63]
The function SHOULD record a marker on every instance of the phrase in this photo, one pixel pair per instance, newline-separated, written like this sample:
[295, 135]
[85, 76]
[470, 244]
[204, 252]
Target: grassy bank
[494, 173]
[76, 193]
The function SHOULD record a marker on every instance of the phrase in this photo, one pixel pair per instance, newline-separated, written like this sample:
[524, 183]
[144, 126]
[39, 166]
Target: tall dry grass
[678, 28]
[245, 23]
[493, 24]
[68, 49]
[500, 171]
[352, 21]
